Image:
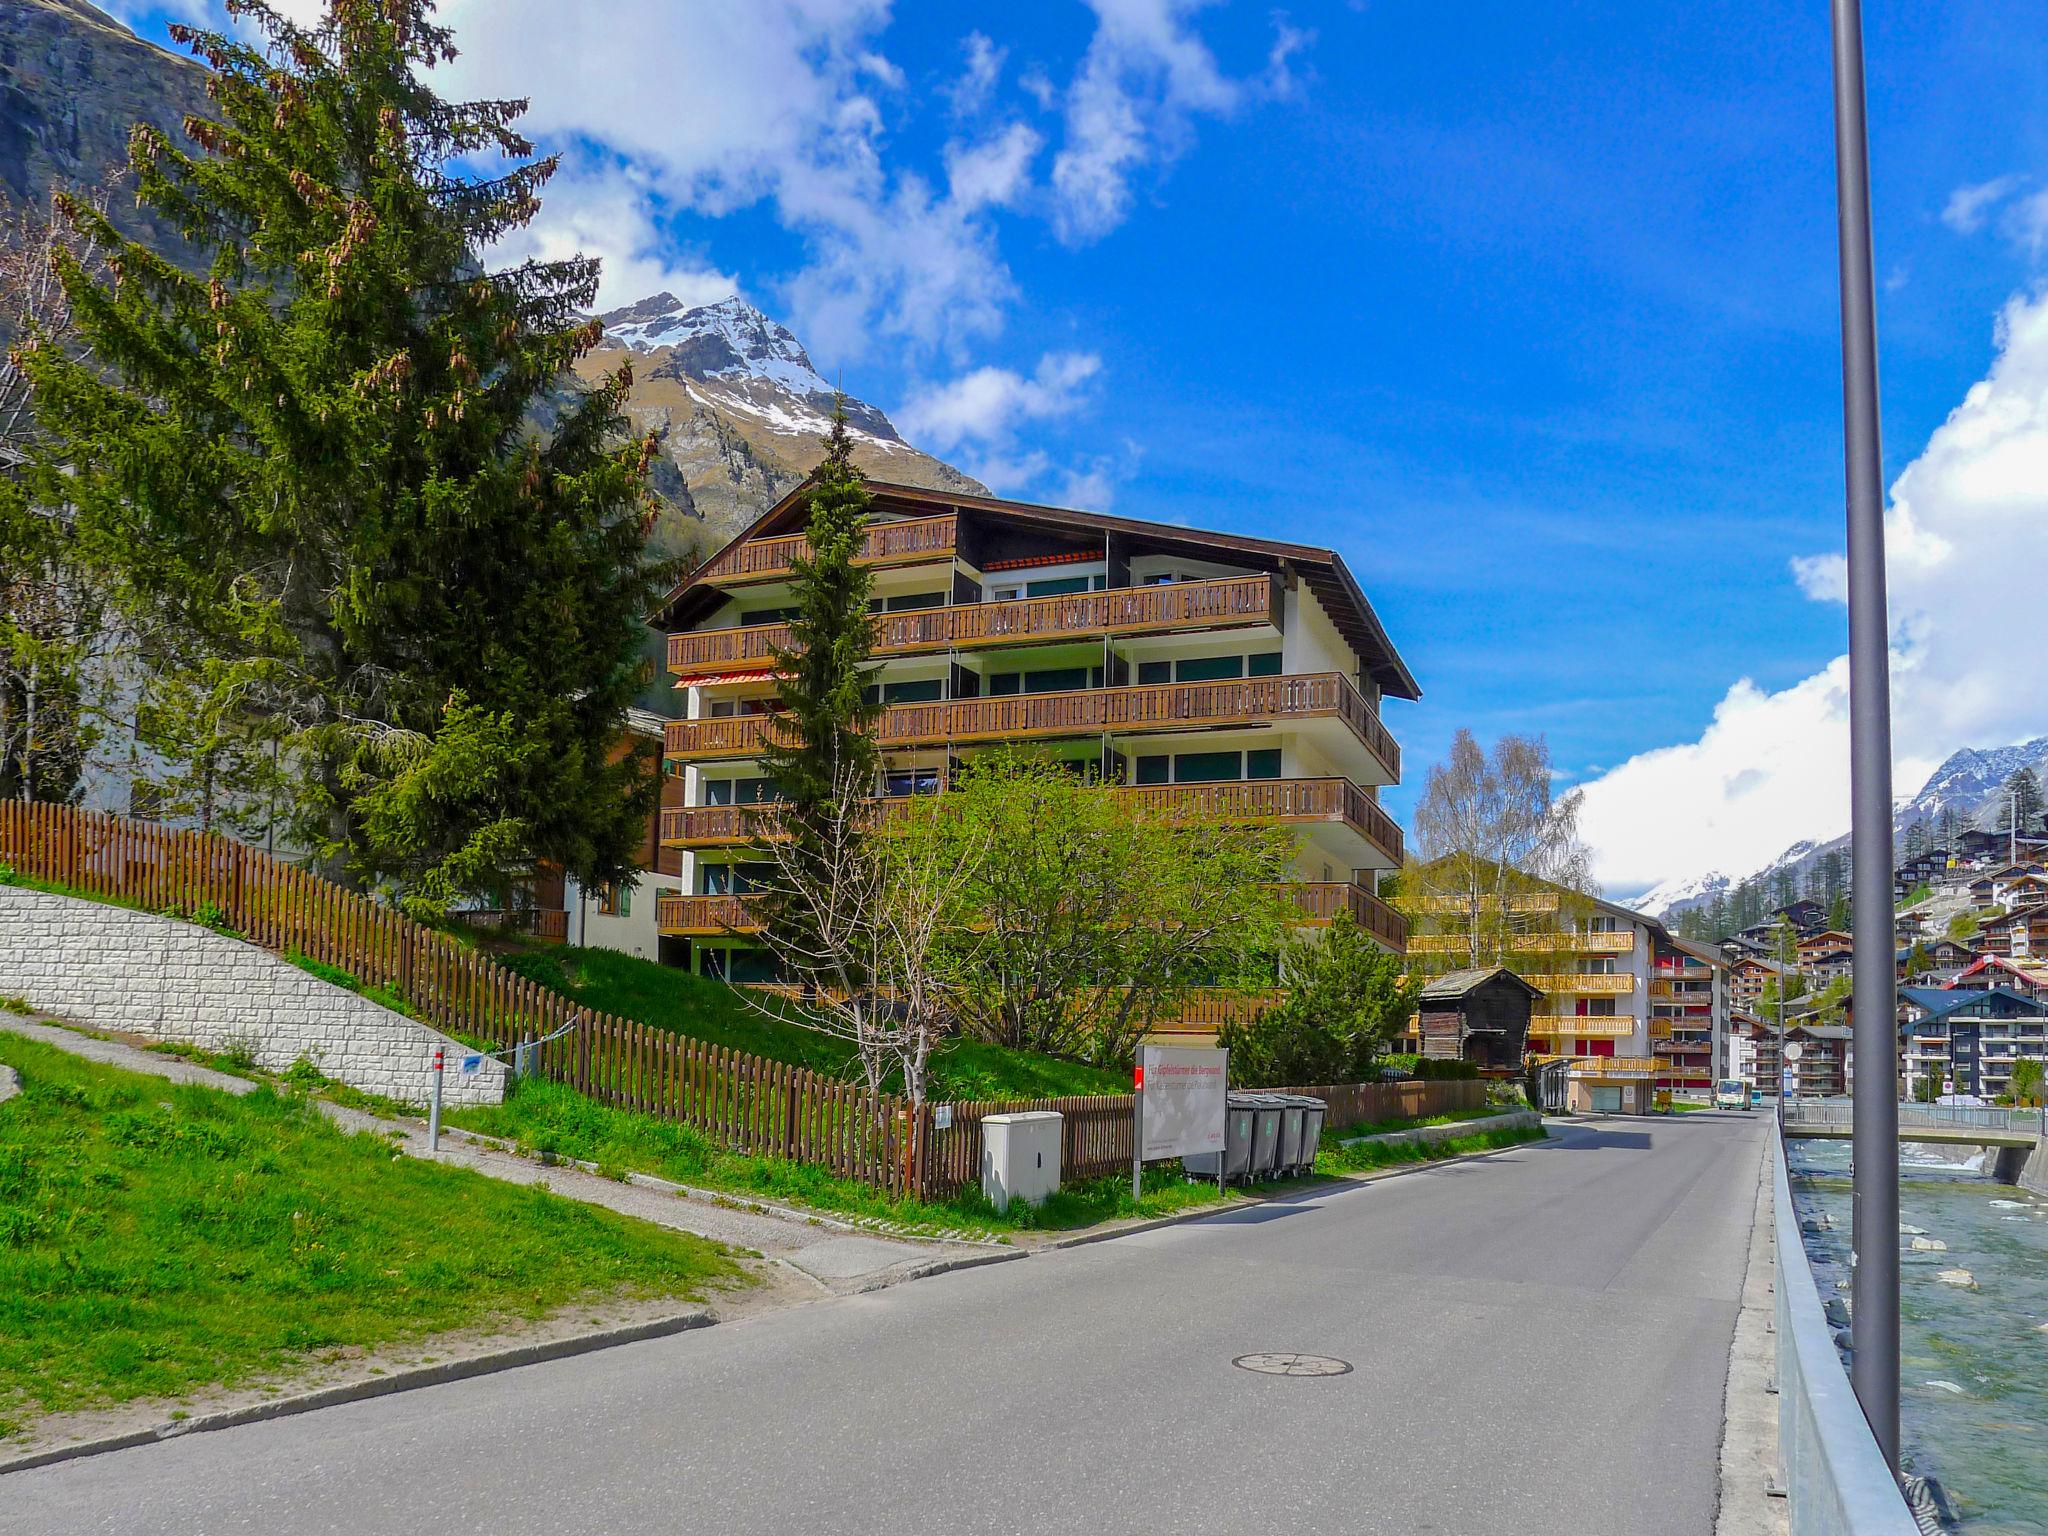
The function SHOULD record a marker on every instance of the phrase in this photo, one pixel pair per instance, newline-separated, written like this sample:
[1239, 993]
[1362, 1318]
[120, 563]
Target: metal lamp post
[1874, 1368]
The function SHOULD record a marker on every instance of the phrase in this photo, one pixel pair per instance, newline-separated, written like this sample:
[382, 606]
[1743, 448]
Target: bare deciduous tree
[54, 628]
[1487, 832]
[871, 914]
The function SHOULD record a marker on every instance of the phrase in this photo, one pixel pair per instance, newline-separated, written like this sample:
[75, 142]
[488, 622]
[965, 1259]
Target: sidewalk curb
[375, 1386]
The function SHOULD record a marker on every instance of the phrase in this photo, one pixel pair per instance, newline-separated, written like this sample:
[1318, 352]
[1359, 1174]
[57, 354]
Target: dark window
[1262, 764]
[1266, 665]
[1155, 672]
[1154, 770]
[1057, 586]
[1206, 669]
[915, 781]
[755, 791]
[721, 708]
[921, 691]
[1206, 767]
[744, 965]
[1004, 682]
[1055, 679]
[718, 791]
[914, 600]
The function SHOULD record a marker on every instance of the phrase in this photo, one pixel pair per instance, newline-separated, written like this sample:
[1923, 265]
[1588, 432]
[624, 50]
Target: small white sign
[1794, 1051]
[942, 1117]
[1184, 1088]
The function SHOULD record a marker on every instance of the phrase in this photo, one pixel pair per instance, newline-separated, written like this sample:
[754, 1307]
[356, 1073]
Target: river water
[1973, 1376]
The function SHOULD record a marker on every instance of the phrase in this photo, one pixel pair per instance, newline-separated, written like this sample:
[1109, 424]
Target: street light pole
[1874, 1235]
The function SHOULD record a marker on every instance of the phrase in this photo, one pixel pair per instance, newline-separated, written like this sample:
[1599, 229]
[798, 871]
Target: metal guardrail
[1836, 1480]
[1933, 1117]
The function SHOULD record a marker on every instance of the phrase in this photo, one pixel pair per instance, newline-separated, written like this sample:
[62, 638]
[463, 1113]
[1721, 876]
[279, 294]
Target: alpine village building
[1242, 675]
[1633, 1007]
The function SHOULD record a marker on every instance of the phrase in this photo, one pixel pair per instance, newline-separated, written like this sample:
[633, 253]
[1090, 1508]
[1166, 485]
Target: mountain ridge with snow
[739, 414]
[1968, 781]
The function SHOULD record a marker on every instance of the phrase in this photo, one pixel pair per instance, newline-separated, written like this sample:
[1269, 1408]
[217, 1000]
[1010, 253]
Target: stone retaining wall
[1512, 1120]
[112, 968]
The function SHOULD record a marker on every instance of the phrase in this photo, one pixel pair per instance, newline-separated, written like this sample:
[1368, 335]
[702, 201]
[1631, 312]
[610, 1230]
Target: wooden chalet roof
[1453, 985]
[1322, 571]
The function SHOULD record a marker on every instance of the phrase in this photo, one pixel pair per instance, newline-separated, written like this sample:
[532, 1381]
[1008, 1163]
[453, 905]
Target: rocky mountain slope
[739, 408]
[740, 413]
[1968, 782]
[73, 83]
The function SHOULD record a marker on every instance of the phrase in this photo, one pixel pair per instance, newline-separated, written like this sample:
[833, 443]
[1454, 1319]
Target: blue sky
[1528, 310]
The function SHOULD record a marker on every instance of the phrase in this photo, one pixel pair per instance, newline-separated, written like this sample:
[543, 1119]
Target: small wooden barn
[1479, 1015]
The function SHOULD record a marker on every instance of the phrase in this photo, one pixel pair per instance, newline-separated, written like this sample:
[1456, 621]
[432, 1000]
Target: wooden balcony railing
[1531, 944]
[1700, 991]
[706, 915]
[1334, 800]
[1228, 602]
[901, 543]
[1614, 985]
[1319, 901]
[1250, 701]
[1280, 800]
[1322, 900]
[1587, 1026]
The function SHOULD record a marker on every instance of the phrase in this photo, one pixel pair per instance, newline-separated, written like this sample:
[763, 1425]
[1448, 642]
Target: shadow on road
[1581, 1137]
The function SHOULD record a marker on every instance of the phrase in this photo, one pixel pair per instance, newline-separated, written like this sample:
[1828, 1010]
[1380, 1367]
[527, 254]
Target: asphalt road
[1540, 1340]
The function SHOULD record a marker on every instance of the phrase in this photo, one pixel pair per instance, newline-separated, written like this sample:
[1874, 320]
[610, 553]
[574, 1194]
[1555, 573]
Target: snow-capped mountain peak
[727, 340]
[731, 357]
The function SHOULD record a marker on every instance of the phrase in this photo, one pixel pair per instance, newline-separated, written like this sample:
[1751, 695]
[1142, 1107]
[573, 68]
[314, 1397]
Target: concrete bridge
[2014, 1137]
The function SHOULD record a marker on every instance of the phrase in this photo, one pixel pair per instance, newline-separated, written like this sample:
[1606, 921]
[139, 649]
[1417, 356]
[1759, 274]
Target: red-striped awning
[729, 677]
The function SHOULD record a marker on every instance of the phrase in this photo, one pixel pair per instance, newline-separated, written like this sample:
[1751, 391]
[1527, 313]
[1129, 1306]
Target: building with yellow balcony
[1244, 676]
[1640, 1007]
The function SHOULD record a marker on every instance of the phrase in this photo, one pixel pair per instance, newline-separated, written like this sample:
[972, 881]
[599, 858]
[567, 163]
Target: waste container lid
[1304, 1100]
[1263, 1100]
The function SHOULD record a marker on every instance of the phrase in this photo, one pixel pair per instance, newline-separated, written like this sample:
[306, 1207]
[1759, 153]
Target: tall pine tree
[320, 461]
[828, 747]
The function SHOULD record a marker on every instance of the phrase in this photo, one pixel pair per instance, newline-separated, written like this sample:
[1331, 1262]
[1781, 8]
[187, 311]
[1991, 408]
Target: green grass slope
[609, 982]
[159, 1239]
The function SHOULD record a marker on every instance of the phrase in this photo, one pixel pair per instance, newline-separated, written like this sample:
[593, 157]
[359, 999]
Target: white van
[1731, 1093]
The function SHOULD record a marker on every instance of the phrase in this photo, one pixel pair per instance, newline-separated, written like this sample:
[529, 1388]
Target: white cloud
[1967, 536]
[977, 82]
[747, 102]
[1146, 75]
[1968, 207]
[995, 172]
[2026, 224]
[602, 211]
[988, 405]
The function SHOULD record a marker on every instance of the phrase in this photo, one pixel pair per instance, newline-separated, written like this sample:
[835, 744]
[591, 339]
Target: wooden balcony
[1335, 801]
[704, 916]
[1242, 702]
[1566, 943]
[1584, 1026]
[1296, 801]
[900, 543]
[1321, 900]
[1700, 991]
[1226, 603]
[1615, 985]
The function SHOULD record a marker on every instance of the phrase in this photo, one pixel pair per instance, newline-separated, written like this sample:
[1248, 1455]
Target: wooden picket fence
[1358, 1103]
[743, 1102]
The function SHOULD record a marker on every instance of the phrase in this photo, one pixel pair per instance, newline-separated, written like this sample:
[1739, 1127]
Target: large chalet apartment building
[1243, 674]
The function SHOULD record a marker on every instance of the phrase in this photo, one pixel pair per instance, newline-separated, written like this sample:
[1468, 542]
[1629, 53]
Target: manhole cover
[1292, 1365]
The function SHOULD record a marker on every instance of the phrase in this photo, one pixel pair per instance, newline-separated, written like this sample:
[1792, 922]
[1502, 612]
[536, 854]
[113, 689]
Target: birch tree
[1492, 843]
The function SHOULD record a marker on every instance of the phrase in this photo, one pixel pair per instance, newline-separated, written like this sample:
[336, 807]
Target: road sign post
[434, 1105]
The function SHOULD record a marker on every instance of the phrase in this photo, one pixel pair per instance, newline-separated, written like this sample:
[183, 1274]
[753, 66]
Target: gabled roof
[1986, 963]
[1946, 1002]
[1453, 985]
[1322, 571]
